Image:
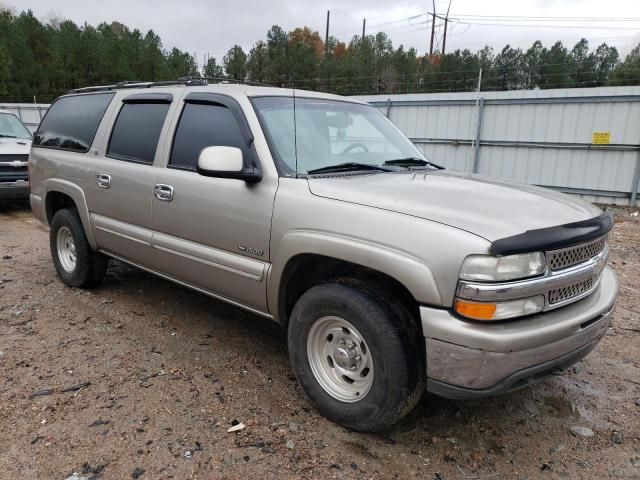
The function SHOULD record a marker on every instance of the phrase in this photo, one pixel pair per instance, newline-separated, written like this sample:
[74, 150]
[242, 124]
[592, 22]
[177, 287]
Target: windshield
[329, 133]
[11, 127]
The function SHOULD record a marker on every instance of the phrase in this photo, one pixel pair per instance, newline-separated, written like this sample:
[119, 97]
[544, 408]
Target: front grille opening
[568, 257]
[14, 157]
[570, 291]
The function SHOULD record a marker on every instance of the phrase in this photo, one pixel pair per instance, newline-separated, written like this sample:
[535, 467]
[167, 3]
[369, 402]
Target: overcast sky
[201, 26]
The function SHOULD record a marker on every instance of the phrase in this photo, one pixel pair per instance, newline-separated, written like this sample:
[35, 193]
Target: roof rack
[186, 81]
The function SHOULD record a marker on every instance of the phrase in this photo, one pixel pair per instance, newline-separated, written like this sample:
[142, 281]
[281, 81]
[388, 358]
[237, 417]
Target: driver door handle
[163, 192]
[103, 180]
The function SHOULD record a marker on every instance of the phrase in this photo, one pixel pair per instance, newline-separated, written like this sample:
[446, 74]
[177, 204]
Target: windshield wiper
[348, 167]
[411, 162]
[7, 136]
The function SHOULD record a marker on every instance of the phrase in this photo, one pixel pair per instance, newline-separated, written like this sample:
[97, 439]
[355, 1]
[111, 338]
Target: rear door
[120, 193]
[213, 233]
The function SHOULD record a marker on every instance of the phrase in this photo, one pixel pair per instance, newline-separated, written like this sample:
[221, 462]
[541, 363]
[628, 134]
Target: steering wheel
[356, 145]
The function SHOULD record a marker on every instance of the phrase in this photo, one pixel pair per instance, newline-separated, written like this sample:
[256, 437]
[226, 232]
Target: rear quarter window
[72, 122]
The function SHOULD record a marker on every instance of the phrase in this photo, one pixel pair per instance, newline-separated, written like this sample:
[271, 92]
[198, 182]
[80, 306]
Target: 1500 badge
[251, 250]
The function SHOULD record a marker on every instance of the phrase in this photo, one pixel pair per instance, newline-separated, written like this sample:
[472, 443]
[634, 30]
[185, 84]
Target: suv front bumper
[14, 190]
[468, 359]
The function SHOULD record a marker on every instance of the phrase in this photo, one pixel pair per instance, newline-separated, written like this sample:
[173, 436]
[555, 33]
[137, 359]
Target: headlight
[499, 310]
[485, 268]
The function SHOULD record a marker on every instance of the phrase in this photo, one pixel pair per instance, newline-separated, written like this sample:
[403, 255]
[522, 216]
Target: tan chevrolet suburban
[391, 275]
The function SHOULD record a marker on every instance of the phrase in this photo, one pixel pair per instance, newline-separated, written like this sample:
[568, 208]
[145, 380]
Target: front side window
[321, 133]
[12, 127]
[136, 132]
[71, 122]
[204, 125]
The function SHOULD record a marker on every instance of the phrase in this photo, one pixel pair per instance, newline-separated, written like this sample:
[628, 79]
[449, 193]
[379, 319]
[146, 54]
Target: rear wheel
[358, 355]
[76, 263]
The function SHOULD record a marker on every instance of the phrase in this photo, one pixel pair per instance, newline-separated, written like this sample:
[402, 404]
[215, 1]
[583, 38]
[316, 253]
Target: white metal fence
[29, 113]
[579, 141]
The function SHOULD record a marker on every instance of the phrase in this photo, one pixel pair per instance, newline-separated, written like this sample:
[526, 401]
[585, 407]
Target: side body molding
[77, 194]
[407, 269]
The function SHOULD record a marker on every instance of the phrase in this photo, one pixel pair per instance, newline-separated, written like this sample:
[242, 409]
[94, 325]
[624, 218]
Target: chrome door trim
[213, 257]
[121, 229]
[238, 264]
[192, 287]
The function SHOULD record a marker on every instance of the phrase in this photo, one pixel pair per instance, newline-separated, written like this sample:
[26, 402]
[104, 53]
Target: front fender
[77, 195]
[407, 269]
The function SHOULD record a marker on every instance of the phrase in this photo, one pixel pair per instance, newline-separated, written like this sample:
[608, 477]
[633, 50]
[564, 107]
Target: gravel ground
[141, 378]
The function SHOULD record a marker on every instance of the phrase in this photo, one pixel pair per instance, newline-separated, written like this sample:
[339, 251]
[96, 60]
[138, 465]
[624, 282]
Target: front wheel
[76, 263]
[358, 356]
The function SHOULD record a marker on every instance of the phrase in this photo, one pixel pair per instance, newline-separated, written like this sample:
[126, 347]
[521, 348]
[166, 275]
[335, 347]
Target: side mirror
[226, 162]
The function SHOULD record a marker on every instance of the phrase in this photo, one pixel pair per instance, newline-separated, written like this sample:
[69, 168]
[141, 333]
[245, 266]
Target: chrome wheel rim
[66, 249]
[340, 359]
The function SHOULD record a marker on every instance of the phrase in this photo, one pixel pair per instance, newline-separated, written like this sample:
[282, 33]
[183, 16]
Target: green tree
[181, 64]
[258, 62]
[555, 68]
[510, 70]
[605, 60]
[582, 64]
[212, 69]
[628, 72]
[235, 63]
[304, 52]
[278, 67]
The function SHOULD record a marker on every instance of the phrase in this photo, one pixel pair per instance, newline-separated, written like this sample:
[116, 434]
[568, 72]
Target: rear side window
[136, 132]
[204, 125]
[71, 122]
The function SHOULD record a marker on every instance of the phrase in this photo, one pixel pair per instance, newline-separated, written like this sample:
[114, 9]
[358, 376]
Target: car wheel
[76, 263]
[358, 355]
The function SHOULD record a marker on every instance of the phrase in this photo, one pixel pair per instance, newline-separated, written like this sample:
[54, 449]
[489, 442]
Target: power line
[554, 18]
[582, 27]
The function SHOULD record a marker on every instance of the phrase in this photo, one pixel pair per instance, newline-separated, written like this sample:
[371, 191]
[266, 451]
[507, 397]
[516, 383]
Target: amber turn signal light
[477, 311]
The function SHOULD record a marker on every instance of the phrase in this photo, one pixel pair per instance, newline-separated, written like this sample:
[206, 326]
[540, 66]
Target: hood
[14, 146]
[488, 207]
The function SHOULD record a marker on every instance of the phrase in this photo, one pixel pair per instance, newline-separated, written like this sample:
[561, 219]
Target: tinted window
[200, 126]
[136, 131]
[71, 122]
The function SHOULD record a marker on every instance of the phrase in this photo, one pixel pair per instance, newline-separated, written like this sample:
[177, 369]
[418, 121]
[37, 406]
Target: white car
[15, 142]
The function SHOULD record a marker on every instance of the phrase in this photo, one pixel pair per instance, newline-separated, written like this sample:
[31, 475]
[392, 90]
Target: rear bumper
[14, 190]
[468, 359]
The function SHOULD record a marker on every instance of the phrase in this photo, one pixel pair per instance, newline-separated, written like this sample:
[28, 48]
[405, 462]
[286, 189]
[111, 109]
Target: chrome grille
[12, 157]
[567, 257]
[565, 293]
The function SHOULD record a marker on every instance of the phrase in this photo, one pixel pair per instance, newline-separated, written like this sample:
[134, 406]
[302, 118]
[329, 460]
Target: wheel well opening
[56, 201]
[307, 270]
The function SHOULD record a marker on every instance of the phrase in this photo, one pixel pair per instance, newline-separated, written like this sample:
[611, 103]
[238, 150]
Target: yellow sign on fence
[601, 138]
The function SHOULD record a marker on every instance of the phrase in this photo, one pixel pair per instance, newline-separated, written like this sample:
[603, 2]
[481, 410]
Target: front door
[213, 233]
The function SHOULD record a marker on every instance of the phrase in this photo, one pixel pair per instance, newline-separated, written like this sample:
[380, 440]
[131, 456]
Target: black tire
[90, 267]
[396, 345]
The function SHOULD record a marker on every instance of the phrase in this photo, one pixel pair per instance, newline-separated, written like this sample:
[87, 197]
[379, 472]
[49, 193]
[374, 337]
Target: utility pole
[364, 24]
[446, 22]
[326, 36]
[433, 27]
[444, 38]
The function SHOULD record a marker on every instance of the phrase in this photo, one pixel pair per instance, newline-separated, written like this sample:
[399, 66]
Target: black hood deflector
[553, 238]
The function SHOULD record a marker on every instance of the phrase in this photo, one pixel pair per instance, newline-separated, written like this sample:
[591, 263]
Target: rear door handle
[103, 180]
[163, 192]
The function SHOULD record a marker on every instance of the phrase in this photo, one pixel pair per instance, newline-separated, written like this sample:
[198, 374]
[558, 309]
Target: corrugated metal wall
[542, 137]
